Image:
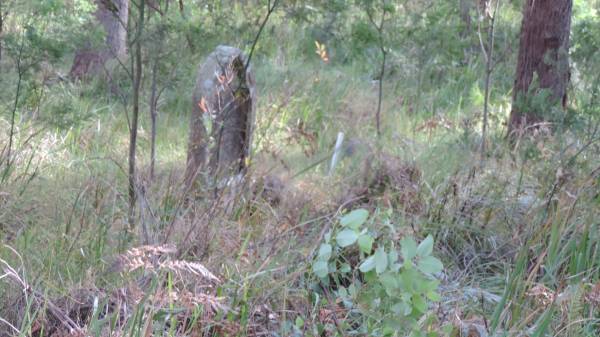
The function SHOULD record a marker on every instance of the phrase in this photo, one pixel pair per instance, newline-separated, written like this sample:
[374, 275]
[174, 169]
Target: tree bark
[113, 15]
[137, 80]
[153, 115]
[489, 68]
[465, 16]
[543, 56]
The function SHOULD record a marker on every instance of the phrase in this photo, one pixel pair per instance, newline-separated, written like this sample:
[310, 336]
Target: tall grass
[518, 236]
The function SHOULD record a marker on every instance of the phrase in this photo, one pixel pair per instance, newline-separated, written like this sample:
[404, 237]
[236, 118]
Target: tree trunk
[113, 15]
[137, 80]
[153, 114]
[488, 52]
[1, 27]
[465, 16]
[543, 62]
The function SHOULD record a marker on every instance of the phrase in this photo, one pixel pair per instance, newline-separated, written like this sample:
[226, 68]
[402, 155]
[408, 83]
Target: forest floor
[515, 228]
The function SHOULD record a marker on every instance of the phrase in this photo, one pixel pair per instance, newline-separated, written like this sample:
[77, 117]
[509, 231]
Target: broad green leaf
[391, 325]
[392, 256]
[408, 248]
[325, 252]
[299, 322]
[345, 268]
[434, 296]
[320, 269]
[430, 265]
[425, 247]
[427, 285]
[365, 243]
[408, 279]
[327, 236]
[367, 264]
[355, 219]
[389, 282]
[332, 266]
[381, 261]
[402, 308]
[346, 237]
[371, 276]
[419, 303]
[352, 290]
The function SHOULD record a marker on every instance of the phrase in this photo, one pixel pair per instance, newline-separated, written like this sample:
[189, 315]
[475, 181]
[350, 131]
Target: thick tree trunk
[113, 15]
[543, 56]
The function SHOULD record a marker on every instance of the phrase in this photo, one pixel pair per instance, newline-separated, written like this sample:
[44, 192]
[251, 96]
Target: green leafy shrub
[389, 287]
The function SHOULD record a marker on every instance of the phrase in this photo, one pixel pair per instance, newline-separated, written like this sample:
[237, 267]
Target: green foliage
[65, 110]
[363, 35]
[524, 217]
[540, 102]
[391, 291]
[585, 51]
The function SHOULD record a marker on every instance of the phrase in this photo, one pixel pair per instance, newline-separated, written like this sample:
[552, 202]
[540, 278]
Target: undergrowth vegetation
[414, 233]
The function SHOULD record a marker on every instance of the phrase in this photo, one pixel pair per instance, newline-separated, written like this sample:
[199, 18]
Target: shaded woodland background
[463, 200]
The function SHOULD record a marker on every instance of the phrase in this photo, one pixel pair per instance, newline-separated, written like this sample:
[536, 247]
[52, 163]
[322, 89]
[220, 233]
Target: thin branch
[483, 50]
[134, 123]
[20, 72]
[489, 68]
[270, 10]
[380, 31]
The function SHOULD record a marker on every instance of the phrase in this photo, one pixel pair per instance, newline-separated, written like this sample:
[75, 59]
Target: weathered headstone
[222, 118]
